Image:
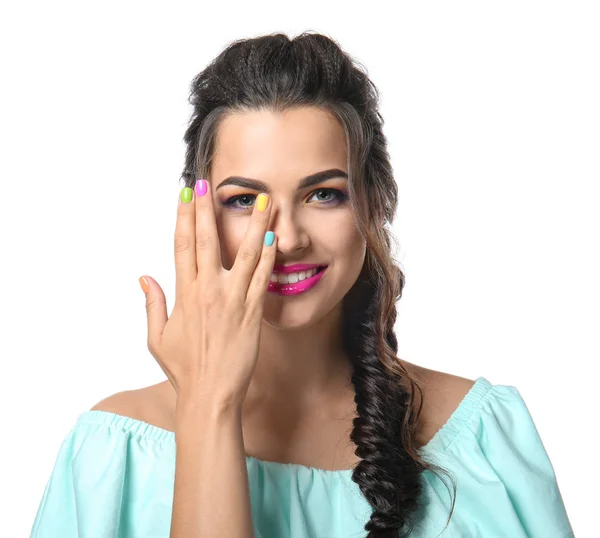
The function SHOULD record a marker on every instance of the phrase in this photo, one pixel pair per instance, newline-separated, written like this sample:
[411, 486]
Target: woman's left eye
[338, 199]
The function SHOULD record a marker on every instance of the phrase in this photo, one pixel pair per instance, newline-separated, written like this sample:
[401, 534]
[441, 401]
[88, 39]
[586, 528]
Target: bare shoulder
[442, 394]
[447, 390]
[146, 404]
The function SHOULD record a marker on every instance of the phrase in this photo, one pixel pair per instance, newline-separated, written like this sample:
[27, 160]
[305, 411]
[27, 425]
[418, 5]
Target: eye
[339, 195]
[338, 198]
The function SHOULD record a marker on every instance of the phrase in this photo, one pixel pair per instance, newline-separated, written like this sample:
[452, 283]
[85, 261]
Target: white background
[492, 115]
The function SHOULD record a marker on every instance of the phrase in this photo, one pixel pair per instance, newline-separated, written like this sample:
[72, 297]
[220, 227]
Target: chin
[283, 315]
[290, 321]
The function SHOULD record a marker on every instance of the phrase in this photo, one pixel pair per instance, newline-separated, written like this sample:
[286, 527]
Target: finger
[208, 250]
[261, 278]
[156, 310]
[251, 248]
[185, 239]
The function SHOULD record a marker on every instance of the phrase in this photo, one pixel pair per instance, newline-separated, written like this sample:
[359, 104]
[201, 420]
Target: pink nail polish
[201, 187]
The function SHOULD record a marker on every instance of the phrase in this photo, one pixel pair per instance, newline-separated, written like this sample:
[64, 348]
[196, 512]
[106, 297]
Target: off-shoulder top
[114, 477]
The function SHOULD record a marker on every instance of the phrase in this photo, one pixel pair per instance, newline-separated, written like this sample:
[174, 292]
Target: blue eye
[339, 197]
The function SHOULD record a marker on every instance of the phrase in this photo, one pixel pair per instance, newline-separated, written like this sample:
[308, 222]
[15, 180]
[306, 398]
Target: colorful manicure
[186, 195]
[269, 238]
[201, 187]
[262, 201]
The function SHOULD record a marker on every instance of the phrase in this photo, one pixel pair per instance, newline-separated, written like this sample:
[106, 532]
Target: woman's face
[313, 224]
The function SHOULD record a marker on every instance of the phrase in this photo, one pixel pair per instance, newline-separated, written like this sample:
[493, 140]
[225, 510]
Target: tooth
[292, 278]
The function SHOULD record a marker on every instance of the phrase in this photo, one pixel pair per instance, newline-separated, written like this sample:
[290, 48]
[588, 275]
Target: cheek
[345, 238]
[353, 246]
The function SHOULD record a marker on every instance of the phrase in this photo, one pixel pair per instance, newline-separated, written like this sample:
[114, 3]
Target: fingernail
[269, 238]
[186, 195]
[144, 284]
[262, 201]
[201, 187]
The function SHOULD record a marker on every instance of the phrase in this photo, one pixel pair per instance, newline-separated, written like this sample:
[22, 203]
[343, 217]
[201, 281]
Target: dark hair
[277, 73]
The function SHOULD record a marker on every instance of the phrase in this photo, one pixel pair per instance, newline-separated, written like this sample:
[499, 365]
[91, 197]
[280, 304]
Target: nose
[292, 235]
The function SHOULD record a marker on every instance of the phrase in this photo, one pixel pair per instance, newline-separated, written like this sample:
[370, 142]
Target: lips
[298, 287]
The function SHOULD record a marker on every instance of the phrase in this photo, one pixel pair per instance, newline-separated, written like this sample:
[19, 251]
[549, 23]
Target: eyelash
[341, 197]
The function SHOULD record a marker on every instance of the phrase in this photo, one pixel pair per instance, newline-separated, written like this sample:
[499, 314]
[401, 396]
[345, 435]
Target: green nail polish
[186, 195]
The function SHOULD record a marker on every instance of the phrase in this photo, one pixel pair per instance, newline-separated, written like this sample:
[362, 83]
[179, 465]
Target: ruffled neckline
[438, 443]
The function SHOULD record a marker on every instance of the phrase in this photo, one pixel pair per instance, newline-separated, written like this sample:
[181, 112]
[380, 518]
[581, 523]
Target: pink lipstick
[298, 287]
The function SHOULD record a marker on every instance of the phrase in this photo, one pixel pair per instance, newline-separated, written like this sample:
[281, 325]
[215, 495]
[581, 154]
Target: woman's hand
[208, 348]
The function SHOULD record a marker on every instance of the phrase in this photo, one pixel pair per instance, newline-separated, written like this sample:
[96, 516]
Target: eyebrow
[308, 181]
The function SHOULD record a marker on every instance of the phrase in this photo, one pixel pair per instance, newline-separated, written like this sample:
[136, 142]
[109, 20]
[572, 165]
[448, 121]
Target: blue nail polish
[269, 238]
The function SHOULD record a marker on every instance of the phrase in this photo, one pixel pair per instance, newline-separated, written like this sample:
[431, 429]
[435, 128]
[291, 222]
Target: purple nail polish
[201, 187]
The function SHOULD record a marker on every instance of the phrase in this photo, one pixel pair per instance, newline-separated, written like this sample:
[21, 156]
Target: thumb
[156, 307]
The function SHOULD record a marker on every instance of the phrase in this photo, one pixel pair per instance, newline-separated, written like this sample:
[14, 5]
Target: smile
[295, 283]
[292, 278]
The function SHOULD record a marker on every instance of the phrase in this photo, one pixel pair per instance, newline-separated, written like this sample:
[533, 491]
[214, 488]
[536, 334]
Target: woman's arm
[211, 496]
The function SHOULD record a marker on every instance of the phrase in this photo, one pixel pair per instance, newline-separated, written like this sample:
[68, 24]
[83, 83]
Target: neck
[302, 367]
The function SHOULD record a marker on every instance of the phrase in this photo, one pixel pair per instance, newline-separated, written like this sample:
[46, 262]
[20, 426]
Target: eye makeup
[340, 198]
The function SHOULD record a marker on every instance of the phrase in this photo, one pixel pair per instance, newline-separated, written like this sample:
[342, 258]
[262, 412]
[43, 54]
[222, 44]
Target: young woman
[286, 412]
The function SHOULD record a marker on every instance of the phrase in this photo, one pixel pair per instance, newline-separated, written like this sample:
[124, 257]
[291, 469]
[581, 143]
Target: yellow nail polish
[262, 201]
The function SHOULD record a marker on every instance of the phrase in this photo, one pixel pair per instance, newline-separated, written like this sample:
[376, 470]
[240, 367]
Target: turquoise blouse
[114, 477]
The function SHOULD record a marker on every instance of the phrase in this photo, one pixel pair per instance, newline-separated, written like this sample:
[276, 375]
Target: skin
[301, 363]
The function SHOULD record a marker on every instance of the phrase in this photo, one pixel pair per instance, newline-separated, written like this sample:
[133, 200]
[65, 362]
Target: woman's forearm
[211, 494]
